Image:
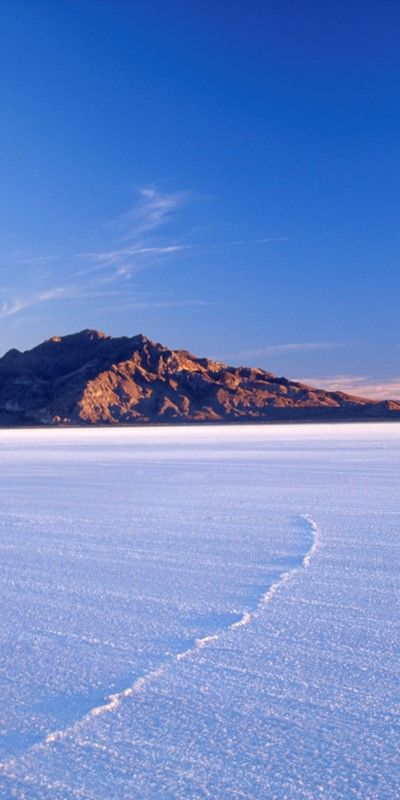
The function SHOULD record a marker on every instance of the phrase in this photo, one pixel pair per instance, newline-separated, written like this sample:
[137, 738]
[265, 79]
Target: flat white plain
[200, 612]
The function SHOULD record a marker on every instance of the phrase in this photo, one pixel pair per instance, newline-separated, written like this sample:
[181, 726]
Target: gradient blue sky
[221, 175]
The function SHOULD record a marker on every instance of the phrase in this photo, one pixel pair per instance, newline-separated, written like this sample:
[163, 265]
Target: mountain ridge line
[90, 378]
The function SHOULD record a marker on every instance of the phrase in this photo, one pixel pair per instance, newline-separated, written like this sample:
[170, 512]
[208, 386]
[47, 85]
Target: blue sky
[221, 176]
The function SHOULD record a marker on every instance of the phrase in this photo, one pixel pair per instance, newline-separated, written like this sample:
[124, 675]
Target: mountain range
[89, 378]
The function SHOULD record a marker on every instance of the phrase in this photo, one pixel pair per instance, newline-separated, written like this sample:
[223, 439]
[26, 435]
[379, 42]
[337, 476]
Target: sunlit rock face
[91, 378]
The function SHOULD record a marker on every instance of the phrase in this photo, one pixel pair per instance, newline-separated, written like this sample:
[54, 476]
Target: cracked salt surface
[199, 613]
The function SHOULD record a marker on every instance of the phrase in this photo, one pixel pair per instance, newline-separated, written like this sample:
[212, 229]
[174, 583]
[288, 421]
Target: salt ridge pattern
[262, 648]
[140, 684]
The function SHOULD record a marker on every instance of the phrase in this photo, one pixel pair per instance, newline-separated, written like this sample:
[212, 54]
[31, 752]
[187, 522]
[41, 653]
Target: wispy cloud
[8, 309]
[71, 292]
[11, 307]
[148, 304]
[137, 245]
[241, 243]
[138, 228]
[153, 209]
[361, 385]
[112, 265]
[290, 347]
[114, 255]
[142, 239]
[31, 259]
[127, 260]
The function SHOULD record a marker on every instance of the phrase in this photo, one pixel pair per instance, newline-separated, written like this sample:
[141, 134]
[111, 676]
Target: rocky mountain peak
[87, 335]
[91, 378]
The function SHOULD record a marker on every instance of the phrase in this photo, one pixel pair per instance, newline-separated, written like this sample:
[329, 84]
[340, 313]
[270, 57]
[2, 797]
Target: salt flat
[203, 612]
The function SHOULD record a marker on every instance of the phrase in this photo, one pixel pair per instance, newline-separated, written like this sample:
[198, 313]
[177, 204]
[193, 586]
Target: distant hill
[89, 378]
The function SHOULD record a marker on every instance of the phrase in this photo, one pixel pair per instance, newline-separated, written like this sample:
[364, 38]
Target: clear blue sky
[221, 175]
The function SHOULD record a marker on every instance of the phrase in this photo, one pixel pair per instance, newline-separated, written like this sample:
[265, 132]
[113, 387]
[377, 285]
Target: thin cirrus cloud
[129, 259]
[24, 258]
[361, 385]
[140, 242]
[135, 247]
[291, 347]
[8, 309]
[153, 210]
[113, 265]
[115, 255]
[242, 243]
[148, 304]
